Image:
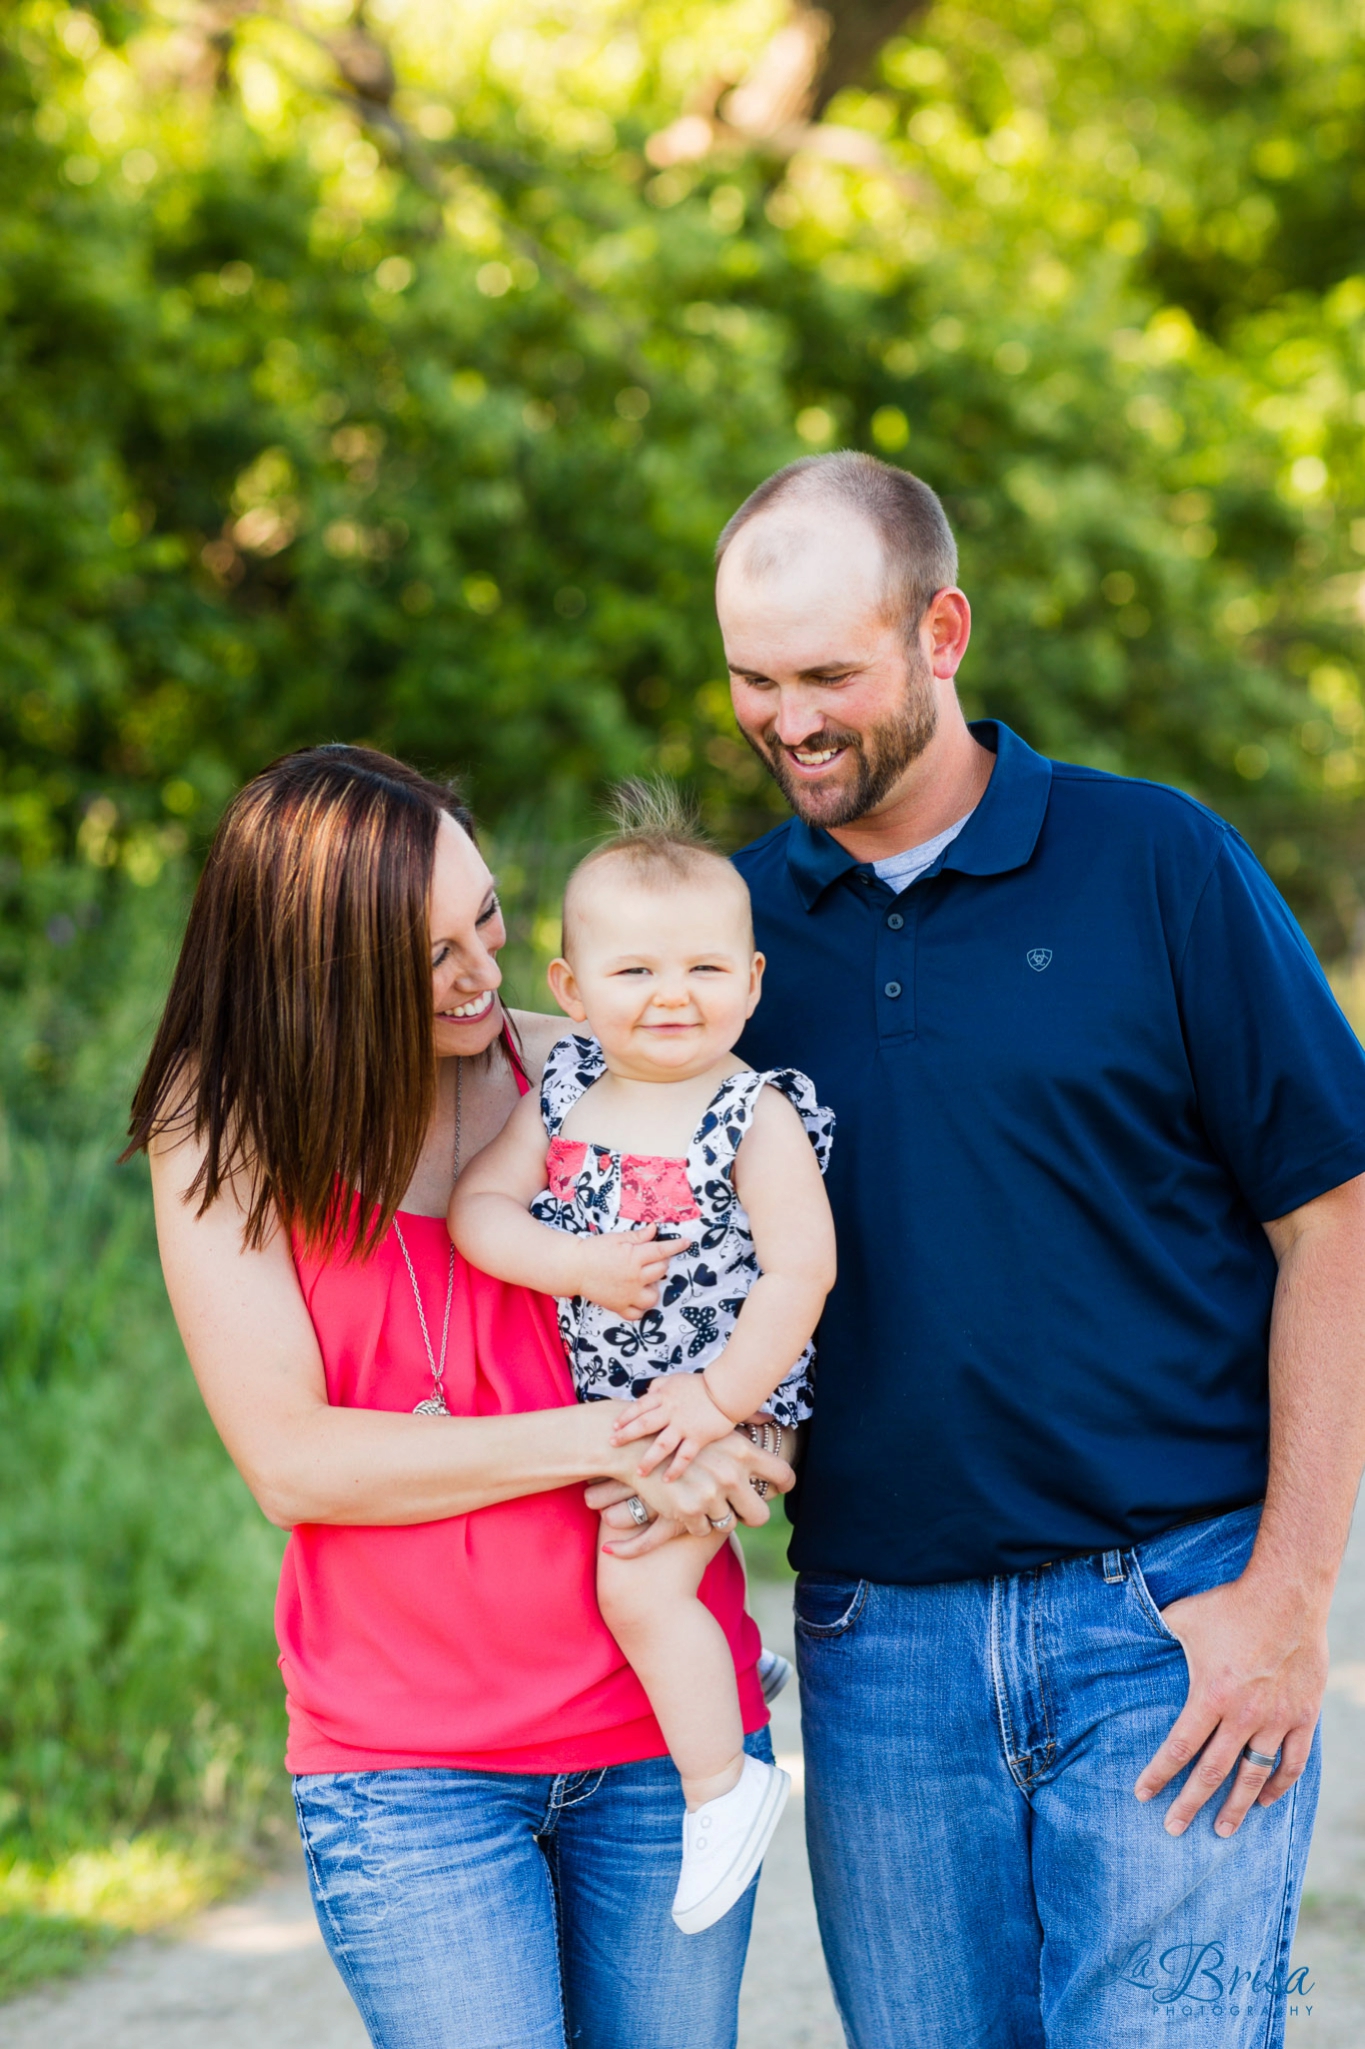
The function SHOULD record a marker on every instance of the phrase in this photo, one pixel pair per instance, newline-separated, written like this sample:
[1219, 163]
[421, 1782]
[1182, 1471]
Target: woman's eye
[491, 912]
[438, 958]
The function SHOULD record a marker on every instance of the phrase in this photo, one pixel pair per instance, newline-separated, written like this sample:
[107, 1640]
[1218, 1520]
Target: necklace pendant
[434, 1405]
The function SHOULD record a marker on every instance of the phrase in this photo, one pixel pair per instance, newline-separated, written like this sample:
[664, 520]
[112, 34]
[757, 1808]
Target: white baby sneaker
[723, 1845]
[773, 1673]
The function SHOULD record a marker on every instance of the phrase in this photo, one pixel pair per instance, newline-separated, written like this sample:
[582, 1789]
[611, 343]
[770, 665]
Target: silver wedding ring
[1258, 1757]
[724, 1522]
[639, 1514]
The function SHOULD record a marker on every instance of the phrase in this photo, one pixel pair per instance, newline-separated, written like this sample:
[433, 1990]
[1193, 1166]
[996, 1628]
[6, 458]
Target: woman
[490, 1822]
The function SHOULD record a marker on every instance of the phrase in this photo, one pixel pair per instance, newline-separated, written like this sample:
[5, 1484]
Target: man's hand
[1258, 1668]
[679, 1408]
[621, 1270]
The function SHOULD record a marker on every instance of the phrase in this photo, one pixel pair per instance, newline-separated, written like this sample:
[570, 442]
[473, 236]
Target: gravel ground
[254, 1975]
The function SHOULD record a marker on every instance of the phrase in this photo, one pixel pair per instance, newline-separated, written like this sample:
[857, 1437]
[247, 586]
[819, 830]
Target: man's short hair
[921, 554]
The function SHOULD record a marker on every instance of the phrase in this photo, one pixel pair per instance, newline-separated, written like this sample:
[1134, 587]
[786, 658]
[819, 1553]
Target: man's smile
[813, 759]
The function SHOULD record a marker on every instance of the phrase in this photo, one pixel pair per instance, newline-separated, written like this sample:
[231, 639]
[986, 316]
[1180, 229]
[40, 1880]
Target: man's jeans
[984, 1877]
[483, 1910]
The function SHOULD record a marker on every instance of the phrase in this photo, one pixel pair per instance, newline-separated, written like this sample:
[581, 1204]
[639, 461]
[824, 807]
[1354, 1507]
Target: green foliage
[137, 1673]
[413, 417]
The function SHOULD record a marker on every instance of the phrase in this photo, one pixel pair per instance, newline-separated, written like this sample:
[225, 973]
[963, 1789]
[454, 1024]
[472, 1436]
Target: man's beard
[880, 758]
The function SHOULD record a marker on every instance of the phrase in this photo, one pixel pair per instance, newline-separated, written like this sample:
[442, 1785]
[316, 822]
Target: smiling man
[1090, 1410]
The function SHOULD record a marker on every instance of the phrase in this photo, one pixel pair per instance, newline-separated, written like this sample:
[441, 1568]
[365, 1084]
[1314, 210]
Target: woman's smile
[468, 1013]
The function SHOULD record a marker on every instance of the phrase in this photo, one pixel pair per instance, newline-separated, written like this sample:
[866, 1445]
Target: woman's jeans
[984, 1877]
[480, 1910]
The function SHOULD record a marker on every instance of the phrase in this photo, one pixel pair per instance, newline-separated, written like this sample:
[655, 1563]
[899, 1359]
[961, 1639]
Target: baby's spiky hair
[655, 820]
[658, 838]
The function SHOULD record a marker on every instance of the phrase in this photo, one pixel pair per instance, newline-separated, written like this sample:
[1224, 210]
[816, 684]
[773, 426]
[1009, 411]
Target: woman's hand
[717, 1485]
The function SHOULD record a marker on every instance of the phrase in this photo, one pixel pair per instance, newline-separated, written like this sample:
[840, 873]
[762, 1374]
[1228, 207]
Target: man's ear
[756, 968]
[564, 989]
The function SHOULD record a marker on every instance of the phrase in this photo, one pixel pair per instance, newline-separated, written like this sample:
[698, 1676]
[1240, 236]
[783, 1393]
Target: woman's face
[466, 933]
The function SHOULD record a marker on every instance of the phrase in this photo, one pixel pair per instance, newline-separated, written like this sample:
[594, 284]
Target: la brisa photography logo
[1203, 1981]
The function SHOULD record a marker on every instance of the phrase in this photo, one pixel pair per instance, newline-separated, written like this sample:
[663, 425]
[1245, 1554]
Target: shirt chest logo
[1039, 957]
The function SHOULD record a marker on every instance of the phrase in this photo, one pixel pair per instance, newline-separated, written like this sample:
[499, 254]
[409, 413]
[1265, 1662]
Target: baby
[672, 1199]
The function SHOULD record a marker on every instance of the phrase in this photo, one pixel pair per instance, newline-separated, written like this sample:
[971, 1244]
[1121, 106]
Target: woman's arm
[255, 1356]
[777, 1178]
[490, 1221]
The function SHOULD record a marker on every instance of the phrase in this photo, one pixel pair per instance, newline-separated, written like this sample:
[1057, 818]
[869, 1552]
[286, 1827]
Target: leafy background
[387, 375]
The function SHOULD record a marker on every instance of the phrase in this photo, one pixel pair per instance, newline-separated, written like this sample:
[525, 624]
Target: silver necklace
[435, 1403]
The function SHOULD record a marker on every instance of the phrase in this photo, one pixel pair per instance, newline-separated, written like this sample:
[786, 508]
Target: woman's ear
[564, 989]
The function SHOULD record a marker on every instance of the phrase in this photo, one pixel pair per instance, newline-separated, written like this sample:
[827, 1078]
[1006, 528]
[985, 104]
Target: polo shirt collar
[1000, 834]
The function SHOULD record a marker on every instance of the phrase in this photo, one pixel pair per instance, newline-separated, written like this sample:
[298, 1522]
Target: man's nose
[797, 718]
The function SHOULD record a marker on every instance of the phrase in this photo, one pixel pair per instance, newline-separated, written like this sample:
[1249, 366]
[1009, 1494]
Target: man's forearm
[1317, 1399]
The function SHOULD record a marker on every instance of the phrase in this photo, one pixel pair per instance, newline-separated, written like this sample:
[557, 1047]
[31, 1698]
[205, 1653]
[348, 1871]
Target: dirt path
[255, 1976]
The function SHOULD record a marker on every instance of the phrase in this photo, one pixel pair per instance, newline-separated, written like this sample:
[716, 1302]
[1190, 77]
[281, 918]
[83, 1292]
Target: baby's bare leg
[678, 1651]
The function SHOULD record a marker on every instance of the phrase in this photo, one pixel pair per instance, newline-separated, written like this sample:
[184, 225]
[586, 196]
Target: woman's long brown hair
[296, 1041]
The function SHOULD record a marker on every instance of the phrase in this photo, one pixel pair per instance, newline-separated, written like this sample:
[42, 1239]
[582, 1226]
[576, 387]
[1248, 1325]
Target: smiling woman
[333, 1049]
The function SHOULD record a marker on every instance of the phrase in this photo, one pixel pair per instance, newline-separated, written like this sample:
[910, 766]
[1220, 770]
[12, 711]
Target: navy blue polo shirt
[1075, 1066]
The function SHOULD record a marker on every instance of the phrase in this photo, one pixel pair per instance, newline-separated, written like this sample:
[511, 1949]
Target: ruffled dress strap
[799, 1090]
[574, 1063]
[730, 1112]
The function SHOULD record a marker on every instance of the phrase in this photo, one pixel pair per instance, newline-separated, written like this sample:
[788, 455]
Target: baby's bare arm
[490, 1221]
[489, 1215]
[777, 1178]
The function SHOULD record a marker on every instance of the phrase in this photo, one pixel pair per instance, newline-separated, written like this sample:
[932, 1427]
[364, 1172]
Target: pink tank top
[475, 1642]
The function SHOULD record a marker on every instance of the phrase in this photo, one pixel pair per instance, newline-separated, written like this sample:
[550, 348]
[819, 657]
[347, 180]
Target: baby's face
[664, 974]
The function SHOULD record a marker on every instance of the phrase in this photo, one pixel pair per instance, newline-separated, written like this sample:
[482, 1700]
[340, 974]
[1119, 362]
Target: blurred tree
[382, 375]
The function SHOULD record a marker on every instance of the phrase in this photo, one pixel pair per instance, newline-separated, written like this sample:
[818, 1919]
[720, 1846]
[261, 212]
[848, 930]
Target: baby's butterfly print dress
[594, 1189]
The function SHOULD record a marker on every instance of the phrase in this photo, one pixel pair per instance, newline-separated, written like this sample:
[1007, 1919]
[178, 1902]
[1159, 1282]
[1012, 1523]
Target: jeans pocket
[1146, 1605]
[828, 1604]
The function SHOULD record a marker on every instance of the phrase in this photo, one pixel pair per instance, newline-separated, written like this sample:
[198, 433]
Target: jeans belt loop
[1114, 1574]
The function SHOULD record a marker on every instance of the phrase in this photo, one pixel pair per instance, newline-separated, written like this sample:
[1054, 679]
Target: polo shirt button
[895, 921]
[892, 989]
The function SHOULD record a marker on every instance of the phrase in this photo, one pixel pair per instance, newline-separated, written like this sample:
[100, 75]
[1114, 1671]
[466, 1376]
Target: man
[1101, 1295]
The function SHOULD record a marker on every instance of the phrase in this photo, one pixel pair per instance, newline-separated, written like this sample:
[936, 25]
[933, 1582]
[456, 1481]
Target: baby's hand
[680, 1409]
[621, 1270]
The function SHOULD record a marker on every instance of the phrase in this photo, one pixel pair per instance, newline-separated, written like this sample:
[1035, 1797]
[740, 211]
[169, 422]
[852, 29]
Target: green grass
[765, 1549]
[59, 1917]
[141, 1719]
[36, 1947]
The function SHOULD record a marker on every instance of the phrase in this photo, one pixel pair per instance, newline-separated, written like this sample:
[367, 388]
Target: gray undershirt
[900, 870]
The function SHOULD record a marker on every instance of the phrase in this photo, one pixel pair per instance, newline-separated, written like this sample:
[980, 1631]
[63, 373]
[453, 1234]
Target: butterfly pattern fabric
[594, 1189]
